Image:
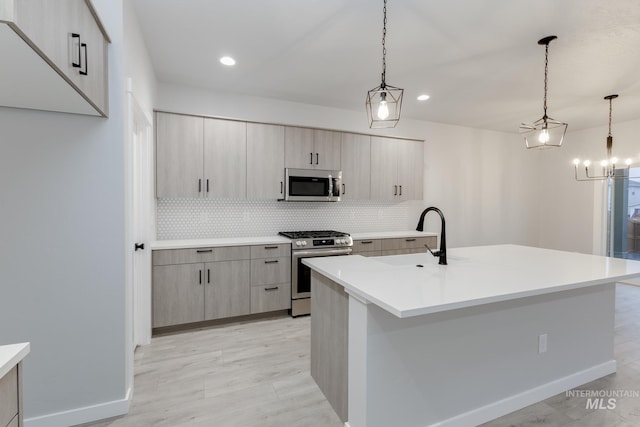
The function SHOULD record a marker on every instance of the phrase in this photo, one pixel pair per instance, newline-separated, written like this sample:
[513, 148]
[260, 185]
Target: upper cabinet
[54, 57]
[265, 161]
[312, 148]
[396, 169]
[356, 166]
[198, 157]
[225, 158]
[179, 155]
[216, 158]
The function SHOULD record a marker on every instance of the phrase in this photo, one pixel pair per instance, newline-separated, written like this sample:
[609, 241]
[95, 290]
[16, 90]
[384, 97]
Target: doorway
[624, 214]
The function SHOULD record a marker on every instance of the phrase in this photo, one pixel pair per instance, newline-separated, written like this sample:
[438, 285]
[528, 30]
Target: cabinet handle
[208, 275]
[199, 185]
[395, 190]
[204, 251]
[401, 190]
[344, 189]
[73, 62]
[281, 187]
[366, 242]
[200, 277]
[86, 60]
[208, 185]
[409, 240]
[310, 158]
[317, 158]
[273, 288]
[274, 261]
[271, 247]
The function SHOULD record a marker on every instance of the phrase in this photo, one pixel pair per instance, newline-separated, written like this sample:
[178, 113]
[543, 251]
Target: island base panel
[471, 365]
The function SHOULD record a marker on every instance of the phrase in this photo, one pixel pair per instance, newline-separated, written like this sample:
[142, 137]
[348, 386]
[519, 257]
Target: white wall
[478, 178]
[570, 211]
[62, 251]
[137, 62]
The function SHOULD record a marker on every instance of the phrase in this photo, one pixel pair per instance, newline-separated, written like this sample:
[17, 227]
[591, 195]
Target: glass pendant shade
[383, 106]
[544, 133]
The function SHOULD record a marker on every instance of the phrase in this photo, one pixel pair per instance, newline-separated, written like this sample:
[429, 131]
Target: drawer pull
[274, 288]
[409, 240]
[204, 251]
[274, 261]
[208, 275]
[200, 277]
[271, 247]
[366, 242]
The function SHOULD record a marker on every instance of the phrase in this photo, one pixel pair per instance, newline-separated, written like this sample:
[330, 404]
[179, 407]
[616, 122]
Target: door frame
[139, 137]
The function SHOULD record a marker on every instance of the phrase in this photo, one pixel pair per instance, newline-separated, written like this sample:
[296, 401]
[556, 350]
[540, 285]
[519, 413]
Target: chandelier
[385, 101]
[609, 167]
[545, 132]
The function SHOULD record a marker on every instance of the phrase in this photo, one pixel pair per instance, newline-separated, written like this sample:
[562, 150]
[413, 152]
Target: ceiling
[478, 60]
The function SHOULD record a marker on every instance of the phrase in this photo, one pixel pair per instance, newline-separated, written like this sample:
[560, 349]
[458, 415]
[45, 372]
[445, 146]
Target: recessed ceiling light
[423, 97]
[227, 60]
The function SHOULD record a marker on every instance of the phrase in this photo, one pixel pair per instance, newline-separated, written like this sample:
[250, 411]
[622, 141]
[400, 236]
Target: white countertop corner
[11, 355]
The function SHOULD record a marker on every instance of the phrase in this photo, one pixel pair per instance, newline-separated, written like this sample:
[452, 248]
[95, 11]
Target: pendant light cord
[610, 109]
[384, 46]
[546, 72]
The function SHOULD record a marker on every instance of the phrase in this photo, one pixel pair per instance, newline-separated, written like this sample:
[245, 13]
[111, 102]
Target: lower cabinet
[10, 414]
[194, 285]
[178, 294]
[226, 291]
[397, 246]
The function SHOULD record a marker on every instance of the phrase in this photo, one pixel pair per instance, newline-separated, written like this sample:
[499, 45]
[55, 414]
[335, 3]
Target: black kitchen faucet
[442, 253]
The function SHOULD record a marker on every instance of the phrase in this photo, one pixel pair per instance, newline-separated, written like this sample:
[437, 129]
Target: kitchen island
[402, 341]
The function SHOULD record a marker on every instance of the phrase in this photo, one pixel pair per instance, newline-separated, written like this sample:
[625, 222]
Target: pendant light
[385, 101]
[545, 132]
[610, 164]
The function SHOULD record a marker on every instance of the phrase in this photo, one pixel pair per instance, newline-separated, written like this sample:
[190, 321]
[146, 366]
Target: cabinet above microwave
[54, 57]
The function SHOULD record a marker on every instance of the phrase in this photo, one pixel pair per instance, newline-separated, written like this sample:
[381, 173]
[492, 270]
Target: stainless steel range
[308, 244]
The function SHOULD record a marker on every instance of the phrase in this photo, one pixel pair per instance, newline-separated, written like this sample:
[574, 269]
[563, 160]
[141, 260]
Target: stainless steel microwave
[312, 185]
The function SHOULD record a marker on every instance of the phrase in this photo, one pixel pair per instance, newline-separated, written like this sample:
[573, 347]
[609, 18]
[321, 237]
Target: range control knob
[298, 243]
[304, 243]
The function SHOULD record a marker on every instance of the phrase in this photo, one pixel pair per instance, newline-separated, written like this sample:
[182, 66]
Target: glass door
[624, 216]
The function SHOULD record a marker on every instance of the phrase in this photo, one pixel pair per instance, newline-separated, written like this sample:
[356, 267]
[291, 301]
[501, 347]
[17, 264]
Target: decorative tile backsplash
[211, 218]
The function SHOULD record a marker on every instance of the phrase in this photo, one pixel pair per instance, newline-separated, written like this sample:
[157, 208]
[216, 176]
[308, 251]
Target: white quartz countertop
[272, 240]
[11, 355]
[226, 241]
[391, 234]
[475, 276]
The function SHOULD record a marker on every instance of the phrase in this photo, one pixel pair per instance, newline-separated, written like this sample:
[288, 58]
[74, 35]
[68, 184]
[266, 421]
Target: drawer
[270, 270]
[9, 396]
[270, 297]
[367, 245]
[271, 251]
[409, 243]
[188, 256]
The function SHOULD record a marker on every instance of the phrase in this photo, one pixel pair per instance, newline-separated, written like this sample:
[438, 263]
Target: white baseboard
[529, 397]
[82, 415]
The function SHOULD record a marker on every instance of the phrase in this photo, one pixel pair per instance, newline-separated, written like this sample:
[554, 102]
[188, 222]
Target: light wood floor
[257, 374]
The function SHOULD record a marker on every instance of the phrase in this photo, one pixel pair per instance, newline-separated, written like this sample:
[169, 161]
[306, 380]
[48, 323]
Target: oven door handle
[321, 252]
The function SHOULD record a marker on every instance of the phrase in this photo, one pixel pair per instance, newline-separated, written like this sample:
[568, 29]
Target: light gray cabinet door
[178, 294]
[298, 148]
[9, 396]
[384, 184]
[265, 161]
[410, 169]
[179, 151]
[225, 158]
[356, 166]
[228, 289]
[327, 149]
